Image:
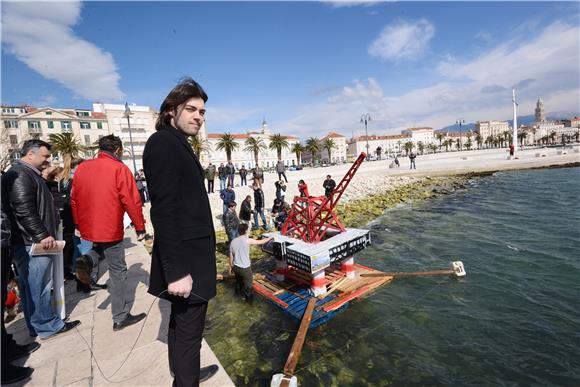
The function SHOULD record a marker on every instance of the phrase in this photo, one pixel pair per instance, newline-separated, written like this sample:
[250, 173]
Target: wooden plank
[264, 292]
[294, 355]
[344, 299]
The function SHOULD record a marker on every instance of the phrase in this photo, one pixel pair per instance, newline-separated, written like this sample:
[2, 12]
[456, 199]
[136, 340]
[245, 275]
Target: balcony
[34, 131]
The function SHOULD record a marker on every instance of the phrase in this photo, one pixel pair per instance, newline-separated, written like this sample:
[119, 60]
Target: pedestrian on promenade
[280, 189]
[222, 176]
[246, 210]
[329, 185]
[240, 264]
[512, 149]
[68, 224]
[397, 161]
[230, 172]
[34, 220]
[10, 349]
[281, 170]
[231, 221]
[183, 264]
[303, 189]
[243, 175]
[210, 176]
[259, 207]
[227, 195]
[412, 157]
[141, 186]
[258, 176]
[103, 190]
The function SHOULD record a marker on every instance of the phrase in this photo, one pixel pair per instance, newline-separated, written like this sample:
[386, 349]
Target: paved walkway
[66, 359]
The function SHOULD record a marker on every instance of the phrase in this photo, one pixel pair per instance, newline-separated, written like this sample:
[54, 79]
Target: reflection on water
[514, 320]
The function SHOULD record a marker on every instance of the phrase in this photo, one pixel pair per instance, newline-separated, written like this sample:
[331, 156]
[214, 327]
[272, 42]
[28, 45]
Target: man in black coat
[183, 265]
[329, 185]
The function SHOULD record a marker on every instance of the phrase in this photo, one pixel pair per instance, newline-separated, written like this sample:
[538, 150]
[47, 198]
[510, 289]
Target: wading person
[183, 264]
[103, 189]
[34, 219]
[240, 264]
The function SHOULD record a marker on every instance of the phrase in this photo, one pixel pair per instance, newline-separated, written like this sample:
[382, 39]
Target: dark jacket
[221, 172]
[329, 186]
[181, 216]
[257, 172]
[228, 196]
[280, 166]
[31, 205]
[258, 198]
[230, 169]
[243, 172]
[246, 210]
[280, 189]
[231, 221]
[210, 172]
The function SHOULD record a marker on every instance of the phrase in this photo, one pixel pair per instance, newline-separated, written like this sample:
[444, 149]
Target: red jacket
[103, 190]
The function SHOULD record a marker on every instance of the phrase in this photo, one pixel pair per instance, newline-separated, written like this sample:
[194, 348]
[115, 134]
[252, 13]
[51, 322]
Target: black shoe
[17, 351]
[12, 374]
[84, 266]
[207, 372]
[67, 327]
[128, 321]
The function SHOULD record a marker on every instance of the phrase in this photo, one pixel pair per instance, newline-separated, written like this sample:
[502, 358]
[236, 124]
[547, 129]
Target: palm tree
[433, 148]
[67, 145]
[255, 145]
[379, 151]
[312, 146]
[522, 136]
[329, 145]
[297, 149]
[279, 142]
[228, 144]
[468, 144]
[553, 137]
[421, 146]
[479, 140]
[198, 144]
[408, 146]
[440, 137]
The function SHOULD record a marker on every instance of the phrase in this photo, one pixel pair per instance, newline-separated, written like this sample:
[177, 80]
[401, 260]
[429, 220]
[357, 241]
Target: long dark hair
[186, 89]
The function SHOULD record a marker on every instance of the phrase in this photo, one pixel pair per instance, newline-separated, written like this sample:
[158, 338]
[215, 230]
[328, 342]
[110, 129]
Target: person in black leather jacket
[36, 220]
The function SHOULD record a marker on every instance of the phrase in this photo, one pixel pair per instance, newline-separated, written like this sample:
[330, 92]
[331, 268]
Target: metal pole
[515, 134]
[128, 114]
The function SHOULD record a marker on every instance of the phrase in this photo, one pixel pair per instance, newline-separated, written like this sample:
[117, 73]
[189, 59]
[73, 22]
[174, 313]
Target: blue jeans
[35, 285]
[81, 248]
[233, 234]
[261, 212]
[222, 183]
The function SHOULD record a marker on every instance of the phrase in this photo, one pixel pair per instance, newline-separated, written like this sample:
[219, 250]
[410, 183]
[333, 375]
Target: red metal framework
[311, 218]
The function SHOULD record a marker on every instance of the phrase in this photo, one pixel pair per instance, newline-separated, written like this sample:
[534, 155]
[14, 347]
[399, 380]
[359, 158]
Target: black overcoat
[181, 216]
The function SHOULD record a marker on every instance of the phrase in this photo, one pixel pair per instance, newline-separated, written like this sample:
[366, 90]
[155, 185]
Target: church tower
[539, 112]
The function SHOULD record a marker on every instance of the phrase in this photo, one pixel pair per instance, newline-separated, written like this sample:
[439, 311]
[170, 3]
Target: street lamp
[460, 122]
[127, 115]
[366, 118]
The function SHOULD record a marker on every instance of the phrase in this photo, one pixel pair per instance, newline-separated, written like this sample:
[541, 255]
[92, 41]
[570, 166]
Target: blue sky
[308, 67]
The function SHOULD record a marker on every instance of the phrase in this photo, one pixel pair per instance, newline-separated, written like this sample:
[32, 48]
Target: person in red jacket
[103, 190]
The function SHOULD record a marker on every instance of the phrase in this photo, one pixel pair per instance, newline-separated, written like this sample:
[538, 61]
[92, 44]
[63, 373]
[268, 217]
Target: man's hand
[181, 287]
[140, 235]
[48, 243]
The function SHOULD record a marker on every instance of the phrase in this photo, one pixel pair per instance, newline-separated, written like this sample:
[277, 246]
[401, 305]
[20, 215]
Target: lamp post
[366, 118]
[128, 115]
[460, 122]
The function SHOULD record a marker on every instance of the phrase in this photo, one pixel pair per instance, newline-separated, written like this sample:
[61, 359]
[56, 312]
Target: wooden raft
[292, 295]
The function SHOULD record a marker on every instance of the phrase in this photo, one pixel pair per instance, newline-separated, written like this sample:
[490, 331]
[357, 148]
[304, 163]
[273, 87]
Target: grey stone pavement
[134, 356]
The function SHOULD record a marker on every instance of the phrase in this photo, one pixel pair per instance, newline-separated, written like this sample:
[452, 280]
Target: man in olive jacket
[210, 176]
[183, 265]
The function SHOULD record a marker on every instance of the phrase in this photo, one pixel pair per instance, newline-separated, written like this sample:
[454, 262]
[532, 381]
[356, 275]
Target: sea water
[514, 320]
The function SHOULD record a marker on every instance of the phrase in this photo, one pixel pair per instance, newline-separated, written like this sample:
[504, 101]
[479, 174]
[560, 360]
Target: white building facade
[423, 135]
[388, 145]
[491, 128]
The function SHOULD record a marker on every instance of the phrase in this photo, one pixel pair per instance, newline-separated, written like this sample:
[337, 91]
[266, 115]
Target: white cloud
[41, 36]
[546, 66]
[350, 3]
[402, 40]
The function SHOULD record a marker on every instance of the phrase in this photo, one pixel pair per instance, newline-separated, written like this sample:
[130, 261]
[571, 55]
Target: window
[99, 125]
[10, 124]
[8, 110]
[33, 124]
[50, 124]
[13, 139]
[65, 125]
[85, 125]
[87, 139]
[48, 113]
[83, 114]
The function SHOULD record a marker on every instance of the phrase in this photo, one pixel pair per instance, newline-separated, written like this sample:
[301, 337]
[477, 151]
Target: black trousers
[244, 281]
[184, 337]
[7, 340]
[280, 174]
[210, 186]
